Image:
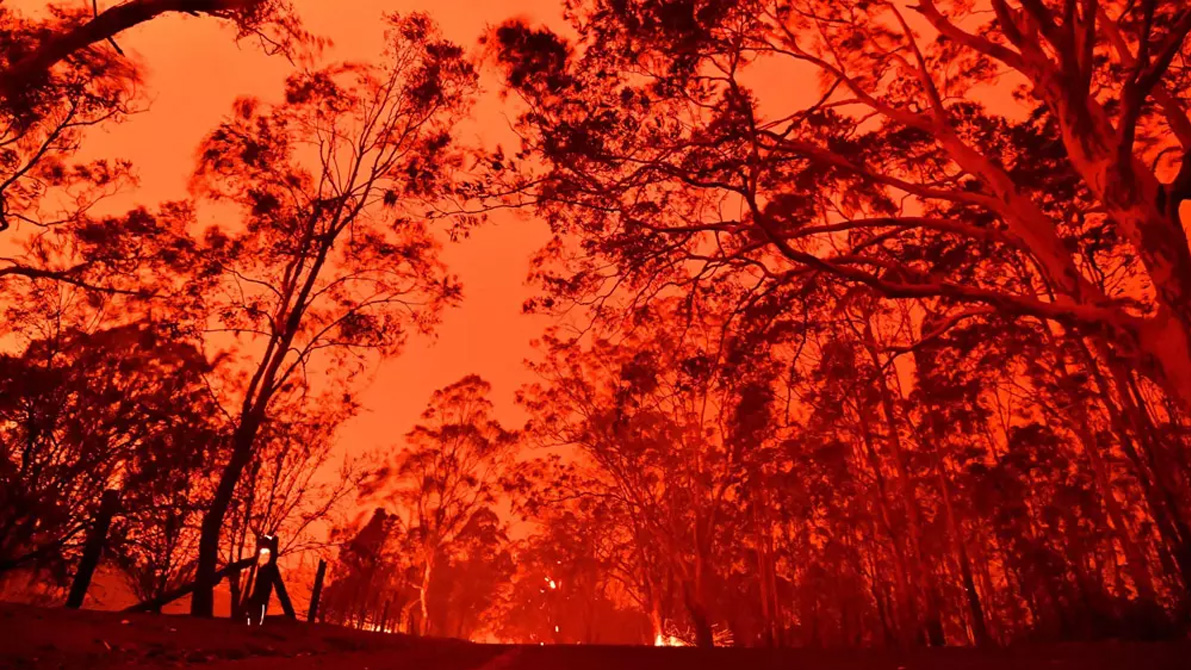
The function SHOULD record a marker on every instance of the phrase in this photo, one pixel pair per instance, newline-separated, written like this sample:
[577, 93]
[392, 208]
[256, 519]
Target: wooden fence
[262, 565]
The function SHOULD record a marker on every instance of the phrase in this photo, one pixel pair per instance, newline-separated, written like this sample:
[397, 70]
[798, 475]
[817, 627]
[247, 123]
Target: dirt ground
[32, 637]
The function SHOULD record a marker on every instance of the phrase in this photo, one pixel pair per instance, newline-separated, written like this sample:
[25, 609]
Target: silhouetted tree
[448, 477]
[123, 407]
[334, 259]
[659, 155]
[75, 34]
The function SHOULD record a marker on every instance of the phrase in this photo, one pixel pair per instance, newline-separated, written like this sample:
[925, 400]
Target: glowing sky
[194, 70]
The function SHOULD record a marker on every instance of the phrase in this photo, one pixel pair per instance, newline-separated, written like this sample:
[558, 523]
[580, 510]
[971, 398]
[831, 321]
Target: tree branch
[103, 27]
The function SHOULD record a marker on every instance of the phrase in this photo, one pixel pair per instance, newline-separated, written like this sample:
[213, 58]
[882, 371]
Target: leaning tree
[333, 259]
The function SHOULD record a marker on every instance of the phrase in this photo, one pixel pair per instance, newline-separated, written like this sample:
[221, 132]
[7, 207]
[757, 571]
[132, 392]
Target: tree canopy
[866, 323]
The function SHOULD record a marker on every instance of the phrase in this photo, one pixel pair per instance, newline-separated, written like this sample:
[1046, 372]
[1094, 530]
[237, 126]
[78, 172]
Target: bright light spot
[556, 629]
[552, 584]
[265, 551]
[667, 641]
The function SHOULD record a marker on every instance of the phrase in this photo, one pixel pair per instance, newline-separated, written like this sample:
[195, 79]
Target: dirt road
[484, 657]
[70, 640]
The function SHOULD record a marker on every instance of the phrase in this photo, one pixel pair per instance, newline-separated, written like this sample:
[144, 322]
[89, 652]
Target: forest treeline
[871, 322]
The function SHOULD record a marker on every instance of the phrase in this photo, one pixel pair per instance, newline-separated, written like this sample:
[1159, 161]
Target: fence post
[282, 595]
[317, 591]
[262, 588]
[93, 548]
[154, 604]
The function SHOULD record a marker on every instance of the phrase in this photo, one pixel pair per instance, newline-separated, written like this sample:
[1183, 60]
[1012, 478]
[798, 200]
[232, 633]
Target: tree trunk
[93, 549]
[316, 591]
[704, 637]
[906, 614]
[424, 596]
[1147, 214]
[655, 612]
[979, 625]
[923, 576]
[1135, 561]
[765, 571]
[1131, 421]
[202, 602]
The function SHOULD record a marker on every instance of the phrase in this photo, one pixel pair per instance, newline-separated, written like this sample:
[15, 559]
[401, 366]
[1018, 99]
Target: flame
[667, 641]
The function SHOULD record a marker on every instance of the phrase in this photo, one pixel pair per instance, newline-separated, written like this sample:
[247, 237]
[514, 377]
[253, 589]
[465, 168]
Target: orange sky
[194, 70]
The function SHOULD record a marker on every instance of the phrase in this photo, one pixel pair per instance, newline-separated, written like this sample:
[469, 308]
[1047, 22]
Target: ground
[32, 637]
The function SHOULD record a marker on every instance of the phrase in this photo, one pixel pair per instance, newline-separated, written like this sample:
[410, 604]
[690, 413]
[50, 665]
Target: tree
[43, 126]
[665, 413]
[123, 407]
[658, 155]
[137, 260]
[567, 587]
[1042, 230]
[898, 483]
[293, 488]
[448, 477]
[78, 34]
[471, 577]
[334, 258]
[57, 80]
[367, 570]
[154, 544]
